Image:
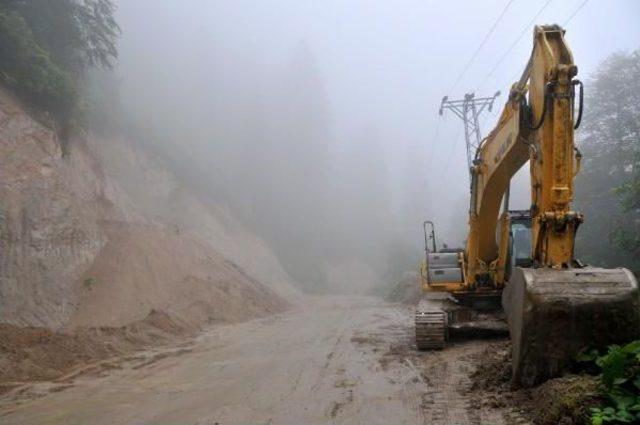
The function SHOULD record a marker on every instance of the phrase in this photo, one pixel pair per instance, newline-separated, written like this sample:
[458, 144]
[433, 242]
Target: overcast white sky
[385, 65]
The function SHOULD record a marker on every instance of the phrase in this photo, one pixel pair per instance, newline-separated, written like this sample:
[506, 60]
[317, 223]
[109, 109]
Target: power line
[450, 156]
[564, 24]
[524, 31]
[433, 143]
[484, 41]
[575, 12]
[486, 118]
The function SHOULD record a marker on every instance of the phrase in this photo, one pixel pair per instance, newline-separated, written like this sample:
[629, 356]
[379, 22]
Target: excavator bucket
[554, 314]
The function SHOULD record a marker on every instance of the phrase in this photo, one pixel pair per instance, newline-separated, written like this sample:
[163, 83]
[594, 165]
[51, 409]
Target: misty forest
[258, 173]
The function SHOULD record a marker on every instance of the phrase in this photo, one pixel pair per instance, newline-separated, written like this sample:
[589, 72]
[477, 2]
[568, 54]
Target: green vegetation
[90, 282]
[619, 384]
[47, 46]
[608, 187]
[30, 71]
[627, 235]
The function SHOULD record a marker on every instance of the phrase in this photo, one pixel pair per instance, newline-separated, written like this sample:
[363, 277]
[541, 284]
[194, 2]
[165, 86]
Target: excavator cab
[519, 254]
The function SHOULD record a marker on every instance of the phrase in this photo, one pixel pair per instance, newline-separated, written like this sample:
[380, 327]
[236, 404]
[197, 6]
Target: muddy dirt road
[338, 360]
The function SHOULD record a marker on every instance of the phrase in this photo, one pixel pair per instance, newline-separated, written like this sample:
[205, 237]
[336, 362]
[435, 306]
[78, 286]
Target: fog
[317, 122]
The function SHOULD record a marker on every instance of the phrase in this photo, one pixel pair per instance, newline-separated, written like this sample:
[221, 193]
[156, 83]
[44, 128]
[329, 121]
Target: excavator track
[431, 328]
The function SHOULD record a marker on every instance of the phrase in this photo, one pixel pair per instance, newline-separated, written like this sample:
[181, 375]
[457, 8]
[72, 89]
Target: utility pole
[468, 110]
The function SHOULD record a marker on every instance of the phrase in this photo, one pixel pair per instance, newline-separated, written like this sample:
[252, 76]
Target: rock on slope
[96, 238]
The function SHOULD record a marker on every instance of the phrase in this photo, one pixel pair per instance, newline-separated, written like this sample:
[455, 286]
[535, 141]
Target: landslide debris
[145, 267]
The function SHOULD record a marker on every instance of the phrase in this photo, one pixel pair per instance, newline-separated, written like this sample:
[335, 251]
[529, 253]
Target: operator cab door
[519, 241]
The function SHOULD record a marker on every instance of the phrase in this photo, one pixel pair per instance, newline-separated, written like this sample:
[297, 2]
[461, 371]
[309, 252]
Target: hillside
[104, 235]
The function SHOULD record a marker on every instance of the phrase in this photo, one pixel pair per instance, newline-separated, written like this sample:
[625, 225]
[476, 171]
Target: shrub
[29, 70]
[47, 47]
[620, 385]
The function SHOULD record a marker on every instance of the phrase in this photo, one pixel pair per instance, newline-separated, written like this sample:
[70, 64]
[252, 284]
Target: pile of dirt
[563, 400]
[40, 354]
[145, 267]
[407, 290]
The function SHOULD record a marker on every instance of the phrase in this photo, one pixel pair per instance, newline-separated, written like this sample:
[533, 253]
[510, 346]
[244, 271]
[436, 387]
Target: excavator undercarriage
[448, 310]
[440, 318]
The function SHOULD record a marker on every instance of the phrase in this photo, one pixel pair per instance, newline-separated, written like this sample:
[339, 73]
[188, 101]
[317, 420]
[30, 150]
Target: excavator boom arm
[536, 128]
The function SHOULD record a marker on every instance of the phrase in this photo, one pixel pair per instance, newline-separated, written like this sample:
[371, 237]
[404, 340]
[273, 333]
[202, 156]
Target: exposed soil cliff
[49, 220]
[105, 235]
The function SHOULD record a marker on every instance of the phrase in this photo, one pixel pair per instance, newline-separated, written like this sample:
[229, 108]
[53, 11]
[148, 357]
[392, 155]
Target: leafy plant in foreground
[620, 380]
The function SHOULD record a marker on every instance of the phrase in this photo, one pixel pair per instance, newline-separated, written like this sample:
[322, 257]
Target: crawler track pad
[431, 329]
[553, 314]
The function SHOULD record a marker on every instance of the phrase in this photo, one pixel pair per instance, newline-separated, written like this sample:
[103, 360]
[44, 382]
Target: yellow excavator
[554, 305]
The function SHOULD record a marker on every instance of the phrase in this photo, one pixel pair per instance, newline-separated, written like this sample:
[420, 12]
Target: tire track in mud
[335, 365]
[448, 395]
[437, 384]
[440, 404]
[347, 398]
[449, 398]
[412, 396]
